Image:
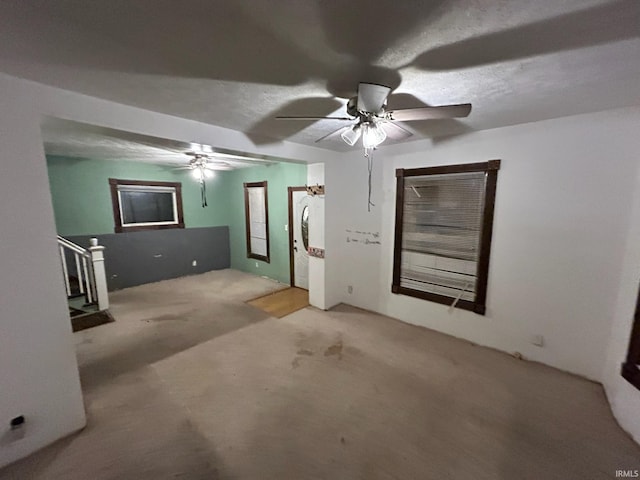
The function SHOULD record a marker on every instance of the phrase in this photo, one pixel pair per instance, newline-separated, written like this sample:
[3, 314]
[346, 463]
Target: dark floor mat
[74, 312]
[91, 320]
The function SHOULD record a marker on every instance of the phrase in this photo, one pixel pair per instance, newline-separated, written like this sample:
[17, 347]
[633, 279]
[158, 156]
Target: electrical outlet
[194, 263]
[350, 289]
[257, 265]
[286, 227]
[17, 429]
[17, 422]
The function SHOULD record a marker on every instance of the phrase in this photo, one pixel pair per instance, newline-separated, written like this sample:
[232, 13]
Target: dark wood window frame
[250, 254]
[631, 366]
[491, 170]
[117, 214]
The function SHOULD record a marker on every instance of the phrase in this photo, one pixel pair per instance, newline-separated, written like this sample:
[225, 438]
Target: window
[444, 218]
[304, 227]
[142, 205]
[631, 367]
[257, 220]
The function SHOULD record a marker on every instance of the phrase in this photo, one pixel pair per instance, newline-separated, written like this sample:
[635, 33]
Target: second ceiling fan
[374, 123]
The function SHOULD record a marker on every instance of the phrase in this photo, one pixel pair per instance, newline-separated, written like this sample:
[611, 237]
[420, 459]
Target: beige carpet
[190, 382]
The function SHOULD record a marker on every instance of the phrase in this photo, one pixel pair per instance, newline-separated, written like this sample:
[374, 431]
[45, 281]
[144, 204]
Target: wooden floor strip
[283, 302]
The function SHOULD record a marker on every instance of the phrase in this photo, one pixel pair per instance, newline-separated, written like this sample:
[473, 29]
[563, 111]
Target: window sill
[136, 228]
[444, 300]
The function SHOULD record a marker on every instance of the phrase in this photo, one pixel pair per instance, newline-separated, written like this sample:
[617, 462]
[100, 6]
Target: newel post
[99, 273]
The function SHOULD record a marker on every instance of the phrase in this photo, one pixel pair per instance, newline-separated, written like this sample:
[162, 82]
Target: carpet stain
[335, 349]
[170, 317]
[303, 351]
[295, 363]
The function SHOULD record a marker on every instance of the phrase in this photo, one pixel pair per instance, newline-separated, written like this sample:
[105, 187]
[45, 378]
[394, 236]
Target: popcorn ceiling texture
[238, 64]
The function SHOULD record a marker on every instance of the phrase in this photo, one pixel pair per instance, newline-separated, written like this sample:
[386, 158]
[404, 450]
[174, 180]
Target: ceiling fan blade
[372, 97]
[395, 131]
[240, 158]
[430, 113]
[219, 167]
[312, 118]
[333, 134]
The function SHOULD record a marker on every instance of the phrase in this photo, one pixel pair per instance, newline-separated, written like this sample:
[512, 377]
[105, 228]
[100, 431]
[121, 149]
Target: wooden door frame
[290, 191]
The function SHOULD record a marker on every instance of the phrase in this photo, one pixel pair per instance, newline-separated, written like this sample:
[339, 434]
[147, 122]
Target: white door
[300, 210]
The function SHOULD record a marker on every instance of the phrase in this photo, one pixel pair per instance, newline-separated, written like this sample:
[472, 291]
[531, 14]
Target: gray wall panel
[134, 258]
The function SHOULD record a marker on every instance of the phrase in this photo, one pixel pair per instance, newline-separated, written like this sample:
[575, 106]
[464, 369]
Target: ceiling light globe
[351, 135]
[197, 173]
[373, 135]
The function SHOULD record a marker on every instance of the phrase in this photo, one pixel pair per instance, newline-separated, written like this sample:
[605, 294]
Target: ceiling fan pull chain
[203, 192]
[369, 156]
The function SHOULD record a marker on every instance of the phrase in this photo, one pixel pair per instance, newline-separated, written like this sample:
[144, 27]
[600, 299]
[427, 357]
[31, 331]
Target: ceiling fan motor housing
[352, 106]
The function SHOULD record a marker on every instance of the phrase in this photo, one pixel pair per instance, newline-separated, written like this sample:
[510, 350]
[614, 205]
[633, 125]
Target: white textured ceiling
[80, 140]
[239, 63]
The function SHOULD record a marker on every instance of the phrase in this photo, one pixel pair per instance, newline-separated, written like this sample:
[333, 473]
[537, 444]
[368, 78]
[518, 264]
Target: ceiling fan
[374, 123]
[202, 164]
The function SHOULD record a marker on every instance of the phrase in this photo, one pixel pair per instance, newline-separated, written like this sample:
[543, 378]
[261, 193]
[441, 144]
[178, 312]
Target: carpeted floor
[191, 382]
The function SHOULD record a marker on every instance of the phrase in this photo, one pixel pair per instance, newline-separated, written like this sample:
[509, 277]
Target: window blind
[441, 229]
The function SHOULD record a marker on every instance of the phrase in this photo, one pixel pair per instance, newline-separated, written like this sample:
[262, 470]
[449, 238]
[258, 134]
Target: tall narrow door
[300, 226]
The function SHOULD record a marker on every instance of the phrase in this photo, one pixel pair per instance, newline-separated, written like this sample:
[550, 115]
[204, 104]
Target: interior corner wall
[279, 177]
[38, 369]
[562, 211]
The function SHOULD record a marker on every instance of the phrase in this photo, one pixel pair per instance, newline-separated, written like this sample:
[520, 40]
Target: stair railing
[88, 265]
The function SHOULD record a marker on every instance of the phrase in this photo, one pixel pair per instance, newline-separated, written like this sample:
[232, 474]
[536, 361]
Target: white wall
[38, 369]
[562, 211]
[317, 287]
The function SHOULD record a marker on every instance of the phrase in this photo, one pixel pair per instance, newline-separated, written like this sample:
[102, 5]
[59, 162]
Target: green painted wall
[278, 177]
[82, 202]
[82, 199]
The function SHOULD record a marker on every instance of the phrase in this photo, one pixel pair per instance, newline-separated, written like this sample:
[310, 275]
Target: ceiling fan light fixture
[351, 135]
[373, 135]
[196, 173]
